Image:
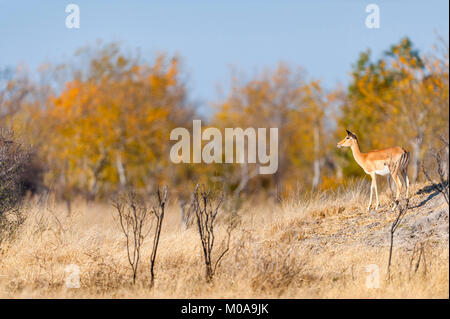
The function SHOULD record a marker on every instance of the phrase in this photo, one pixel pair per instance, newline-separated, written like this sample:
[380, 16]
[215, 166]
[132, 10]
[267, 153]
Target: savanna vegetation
[85, 145]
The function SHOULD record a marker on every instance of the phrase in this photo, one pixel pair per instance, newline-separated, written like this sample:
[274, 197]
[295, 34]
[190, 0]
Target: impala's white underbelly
[383, 171]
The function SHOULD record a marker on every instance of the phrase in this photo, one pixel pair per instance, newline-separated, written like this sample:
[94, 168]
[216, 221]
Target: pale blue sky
[324, 37]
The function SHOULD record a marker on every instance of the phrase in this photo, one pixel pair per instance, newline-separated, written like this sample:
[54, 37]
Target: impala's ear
[351, 134]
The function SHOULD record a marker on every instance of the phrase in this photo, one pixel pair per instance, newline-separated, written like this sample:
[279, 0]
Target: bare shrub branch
[206, 212]
[136, 222]
[401, 211]
[419, 254]
[441, 169]
[133, 219]
[158, 212]
[14, 161]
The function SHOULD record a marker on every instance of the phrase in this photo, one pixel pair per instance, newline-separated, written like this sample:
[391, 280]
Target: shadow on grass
[433, 190]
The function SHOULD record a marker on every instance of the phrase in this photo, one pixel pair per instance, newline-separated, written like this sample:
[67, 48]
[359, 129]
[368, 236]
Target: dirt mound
[426, 220]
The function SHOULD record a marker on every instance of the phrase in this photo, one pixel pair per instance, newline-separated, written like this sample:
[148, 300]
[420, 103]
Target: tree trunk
[316, 178]
[417, 146]
[121, 172]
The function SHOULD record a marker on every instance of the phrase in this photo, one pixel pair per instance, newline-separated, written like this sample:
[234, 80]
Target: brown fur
[392, 160]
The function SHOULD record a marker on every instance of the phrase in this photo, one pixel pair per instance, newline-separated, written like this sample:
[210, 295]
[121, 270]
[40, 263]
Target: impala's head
[348, 141]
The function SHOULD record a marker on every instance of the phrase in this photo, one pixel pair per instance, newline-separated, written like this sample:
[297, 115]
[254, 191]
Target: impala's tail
[404, 160]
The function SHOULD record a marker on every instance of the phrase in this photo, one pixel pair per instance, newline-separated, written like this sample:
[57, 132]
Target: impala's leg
[398, 184]
[371, 191]
[376, 189]
[405, 177]
[372, 186]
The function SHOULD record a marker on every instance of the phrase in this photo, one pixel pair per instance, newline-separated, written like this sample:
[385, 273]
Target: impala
[392, 160]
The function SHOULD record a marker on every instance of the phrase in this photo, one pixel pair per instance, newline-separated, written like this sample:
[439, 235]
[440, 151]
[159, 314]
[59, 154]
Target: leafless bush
[14, 161]
[401, 210]
[442, 169]
[136, 221]
[206, 212]
[134, 218]
[158, 212]
[441, 163]
[418, 257]
[10, 222]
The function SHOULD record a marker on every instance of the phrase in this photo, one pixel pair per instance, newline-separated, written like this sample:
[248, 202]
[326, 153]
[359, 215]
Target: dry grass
[299, 249]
